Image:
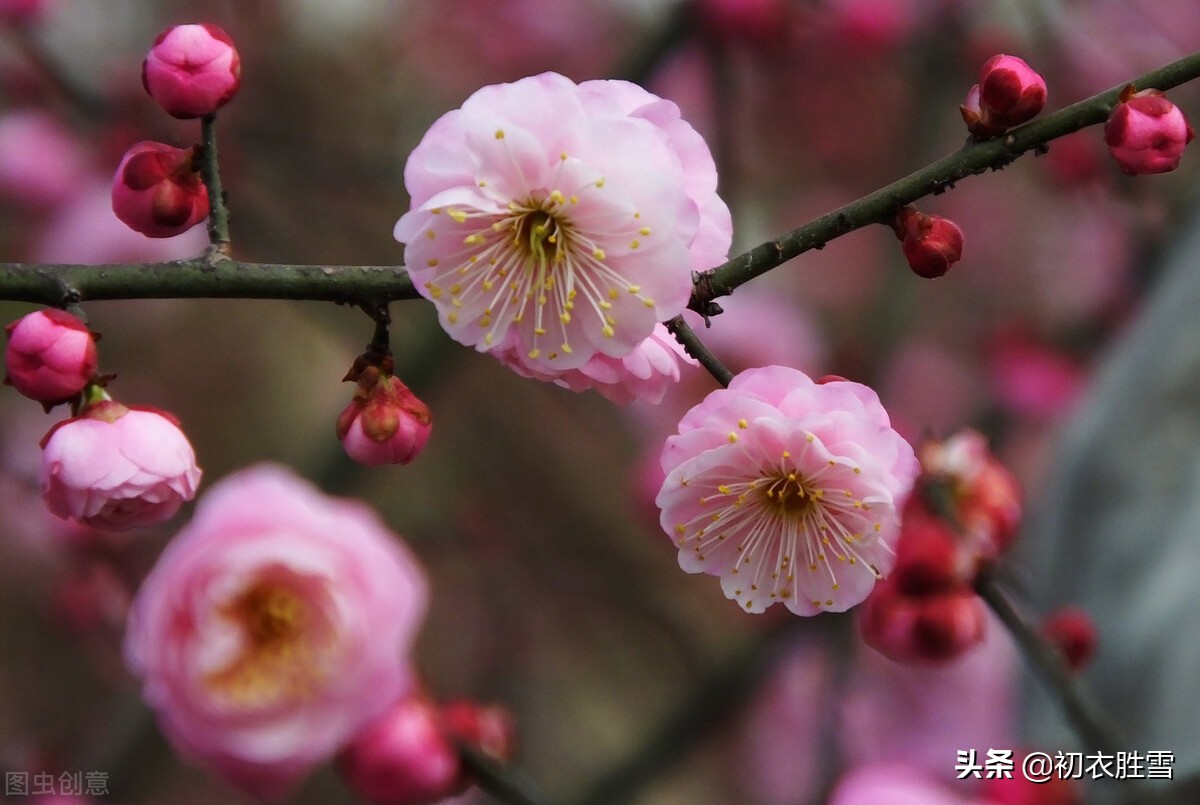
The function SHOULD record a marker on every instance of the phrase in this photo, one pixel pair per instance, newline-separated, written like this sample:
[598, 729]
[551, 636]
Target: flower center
[538, 231]
[788, 497]
[282, 651]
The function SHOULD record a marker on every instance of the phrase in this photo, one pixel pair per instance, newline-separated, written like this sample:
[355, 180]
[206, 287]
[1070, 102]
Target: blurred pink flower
[85, 230]
[786, 489]
[274, 627]
[893, 784]
[645, 374]
[116, 467]
[921, 715]
[50, 355]
[529, 217]
[41, 162]
[192, 70]
[457, 45]
[1030, 378]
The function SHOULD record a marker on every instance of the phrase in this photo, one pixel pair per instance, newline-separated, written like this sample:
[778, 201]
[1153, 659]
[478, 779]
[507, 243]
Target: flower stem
[218, 214]
[502, 782]
[1081, 711]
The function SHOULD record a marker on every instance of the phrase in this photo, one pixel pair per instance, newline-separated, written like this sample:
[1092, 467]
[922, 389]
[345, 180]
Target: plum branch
[206, 276]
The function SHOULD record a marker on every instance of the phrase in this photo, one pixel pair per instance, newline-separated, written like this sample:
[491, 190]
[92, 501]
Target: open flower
[273, 628]
[569, 216]
[787, 489]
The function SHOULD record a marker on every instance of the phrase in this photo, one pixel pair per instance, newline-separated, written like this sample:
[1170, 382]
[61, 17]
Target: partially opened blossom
[273, 628]
[385, 423]
[787, 489]
[117, 467]
[645, 374]
[560, 220]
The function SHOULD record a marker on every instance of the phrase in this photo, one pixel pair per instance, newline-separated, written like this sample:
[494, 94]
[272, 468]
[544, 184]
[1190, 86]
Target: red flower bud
[1072, 631]
[192, 70]
[50, 356]
[930, 243]
[930, 629]
[156, 191]
[1146, 133]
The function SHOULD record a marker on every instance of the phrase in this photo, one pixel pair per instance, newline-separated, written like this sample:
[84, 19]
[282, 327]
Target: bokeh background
[555, 593]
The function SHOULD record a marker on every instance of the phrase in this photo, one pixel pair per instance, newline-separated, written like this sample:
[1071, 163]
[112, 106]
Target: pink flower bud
[930, 243]
[1146, 133]
[1010, 90]
[404, 758]
[192, 70]
[1073, 632]
[117, 468]
[157, 192]
[385, 423]
[50, 356]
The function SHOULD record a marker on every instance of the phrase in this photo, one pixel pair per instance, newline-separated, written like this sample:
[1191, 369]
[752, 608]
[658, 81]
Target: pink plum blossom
[192, 70]
[644, 374]
[560, 220]
[50, 356]
[273, 628]
[117, 467]
[788, 490]
[894, 784]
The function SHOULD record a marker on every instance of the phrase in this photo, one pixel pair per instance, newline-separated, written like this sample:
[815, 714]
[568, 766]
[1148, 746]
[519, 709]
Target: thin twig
[936, 178]
[1081, 711]
[52, 284]
[504, 783]
[695, 347]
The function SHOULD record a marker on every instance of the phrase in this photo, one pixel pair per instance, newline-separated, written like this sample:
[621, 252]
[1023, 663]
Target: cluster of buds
[962, 514]
[1146, 133]
[412, 755]
[191, 71]
[1009, 93]
[385, 423]
[109, 466]
[931, 243]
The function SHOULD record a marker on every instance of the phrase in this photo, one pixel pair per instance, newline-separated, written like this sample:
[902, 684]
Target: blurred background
[555, 592]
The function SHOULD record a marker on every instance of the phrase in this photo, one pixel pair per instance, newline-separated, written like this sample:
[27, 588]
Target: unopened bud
[50, 356]
[931, 629]
[192, 70]
[1009, 93]
[1072, 631]
[1146, 133]
[930, 243]
[385, 423]
[403, 758]
[157, 192]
